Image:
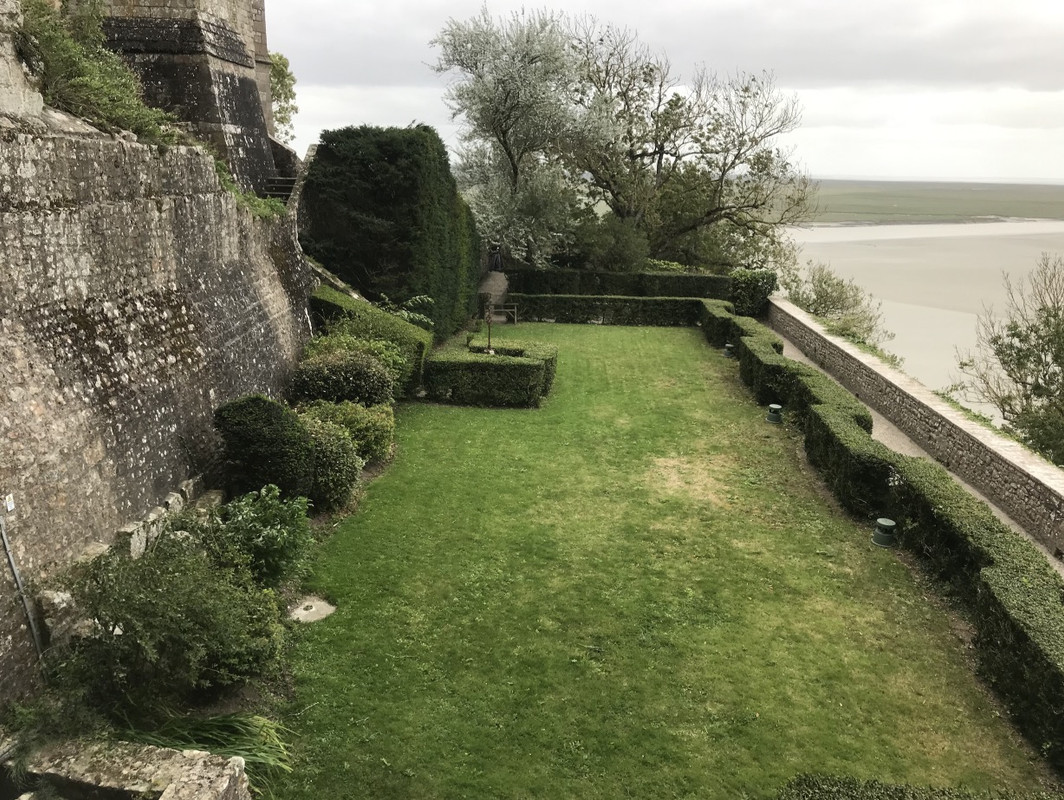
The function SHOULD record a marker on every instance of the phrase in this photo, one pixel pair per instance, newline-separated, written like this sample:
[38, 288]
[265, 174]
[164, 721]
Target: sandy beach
[933, 280]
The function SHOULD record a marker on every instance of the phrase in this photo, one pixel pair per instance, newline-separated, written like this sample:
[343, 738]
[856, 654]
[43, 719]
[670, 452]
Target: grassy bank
[637, 590]
[879, 202]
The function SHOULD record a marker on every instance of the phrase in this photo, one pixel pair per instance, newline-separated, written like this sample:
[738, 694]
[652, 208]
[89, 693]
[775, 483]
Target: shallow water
[933, 280]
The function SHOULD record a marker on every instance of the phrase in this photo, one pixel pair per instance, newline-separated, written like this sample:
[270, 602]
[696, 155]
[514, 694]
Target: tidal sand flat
[933, 280]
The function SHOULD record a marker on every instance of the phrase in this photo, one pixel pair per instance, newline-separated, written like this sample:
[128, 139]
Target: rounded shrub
[337, 465]
[265, 442]
[372, 429]
[388, 353]
[343, 375]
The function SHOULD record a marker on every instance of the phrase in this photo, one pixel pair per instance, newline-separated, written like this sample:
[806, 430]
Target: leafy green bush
[343, 375]
[750, 290]
[79, 75]
[372, 429]
[547, 353]
[260, 531]
[265, 442]
[844, 307]
[663, 311]
[339, 341]
[337, 465]
[342, 314]
[167, 628]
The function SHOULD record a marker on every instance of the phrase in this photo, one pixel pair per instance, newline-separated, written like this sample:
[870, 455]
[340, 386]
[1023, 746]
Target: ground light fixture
[729, 350]
[884, 533]
[775, 414]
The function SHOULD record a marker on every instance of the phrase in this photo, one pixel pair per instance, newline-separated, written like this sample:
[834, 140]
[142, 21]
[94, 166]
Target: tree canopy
[1018, 366]
[572, 124]
[283, 92]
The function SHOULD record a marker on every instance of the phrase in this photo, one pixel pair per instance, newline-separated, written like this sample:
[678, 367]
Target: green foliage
[1013, 595]
[260, 531]
[1018, 366]
[547, 353]
[283, 95]
[384, 214]
[254, 738]
[666, 283]
[260, 207]
[584, 309]
[343, 375]
[411, 310]
[609, 244]
[79, 75]
[344, 315]
[511, 377]
[337, 465]
[371, 429]
[265, 443]
[844, 307]
[830, 787]
[168, 628]
[750, 290]
[387, 353]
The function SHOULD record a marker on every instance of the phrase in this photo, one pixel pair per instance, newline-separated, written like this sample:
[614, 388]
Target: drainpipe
[21, 591]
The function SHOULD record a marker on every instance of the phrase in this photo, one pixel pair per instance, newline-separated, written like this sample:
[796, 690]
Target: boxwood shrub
[547, 353]
[750, 290]
[1015, 598]
[337, 465]
[343, 375]
[371, 429]
[630, 284]
[265, 442]
[339, 341]
[479, 379]
[581, 309]
[337, 312]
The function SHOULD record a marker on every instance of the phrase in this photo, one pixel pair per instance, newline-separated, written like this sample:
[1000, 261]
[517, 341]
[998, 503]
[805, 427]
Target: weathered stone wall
[17, 98]
[137, 298]
[208, 62]
[1027, 488]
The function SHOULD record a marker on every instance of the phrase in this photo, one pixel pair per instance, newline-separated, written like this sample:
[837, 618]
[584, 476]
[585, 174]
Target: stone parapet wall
[17, 97]
[138, 297]
[1026, 487]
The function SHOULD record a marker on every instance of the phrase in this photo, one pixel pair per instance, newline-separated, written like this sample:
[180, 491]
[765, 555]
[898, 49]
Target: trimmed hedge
[343, 375]
[1015, 598]
[479, 379]
[547, 353]
[829, 787]
[372, 429]
[341, 313]
[265, 442]
[627, 284]
[385, 215]
[750, 290]
[583, 309]
[337, 465]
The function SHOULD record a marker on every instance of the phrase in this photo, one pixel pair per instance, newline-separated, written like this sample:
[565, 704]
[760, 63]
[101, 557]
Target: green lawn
[640, 590]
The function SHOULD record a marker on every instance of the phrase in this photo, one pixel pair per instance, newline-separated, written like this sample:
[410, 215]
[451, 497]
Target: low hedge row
[514, 376]
[340, 313]
[1015, 598]
[631, 284]
[606, 310]
[829, 787]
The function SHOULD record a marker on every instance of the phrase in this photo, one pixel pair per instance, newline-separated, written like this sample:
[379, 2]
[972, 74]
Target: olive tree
[1018, 364]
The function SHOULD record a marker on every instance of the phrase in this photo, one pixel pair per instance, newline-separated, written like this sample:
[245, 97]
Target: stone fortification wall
[208, 62]
[1027, 488]
[138, 296]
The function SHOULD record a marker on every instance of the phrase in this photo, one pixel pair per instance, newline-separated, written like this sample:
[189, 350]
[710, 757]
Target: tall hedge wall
[1015, 598]
[383, 213]
[663, 311]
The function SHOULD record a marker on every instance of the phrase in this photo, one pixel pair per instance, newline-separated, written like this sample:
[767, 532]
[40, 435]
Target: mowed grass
[637, 590]
[878, 202]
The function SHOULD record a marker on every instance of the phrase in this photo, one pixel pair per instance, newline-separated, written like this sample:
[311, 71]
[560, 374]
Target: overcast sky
[925, 89]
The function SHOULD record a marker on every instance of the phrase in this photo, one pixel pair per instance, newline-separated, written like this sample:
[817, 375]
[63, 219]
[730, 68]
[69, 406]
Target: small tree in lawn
[1018, 365]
